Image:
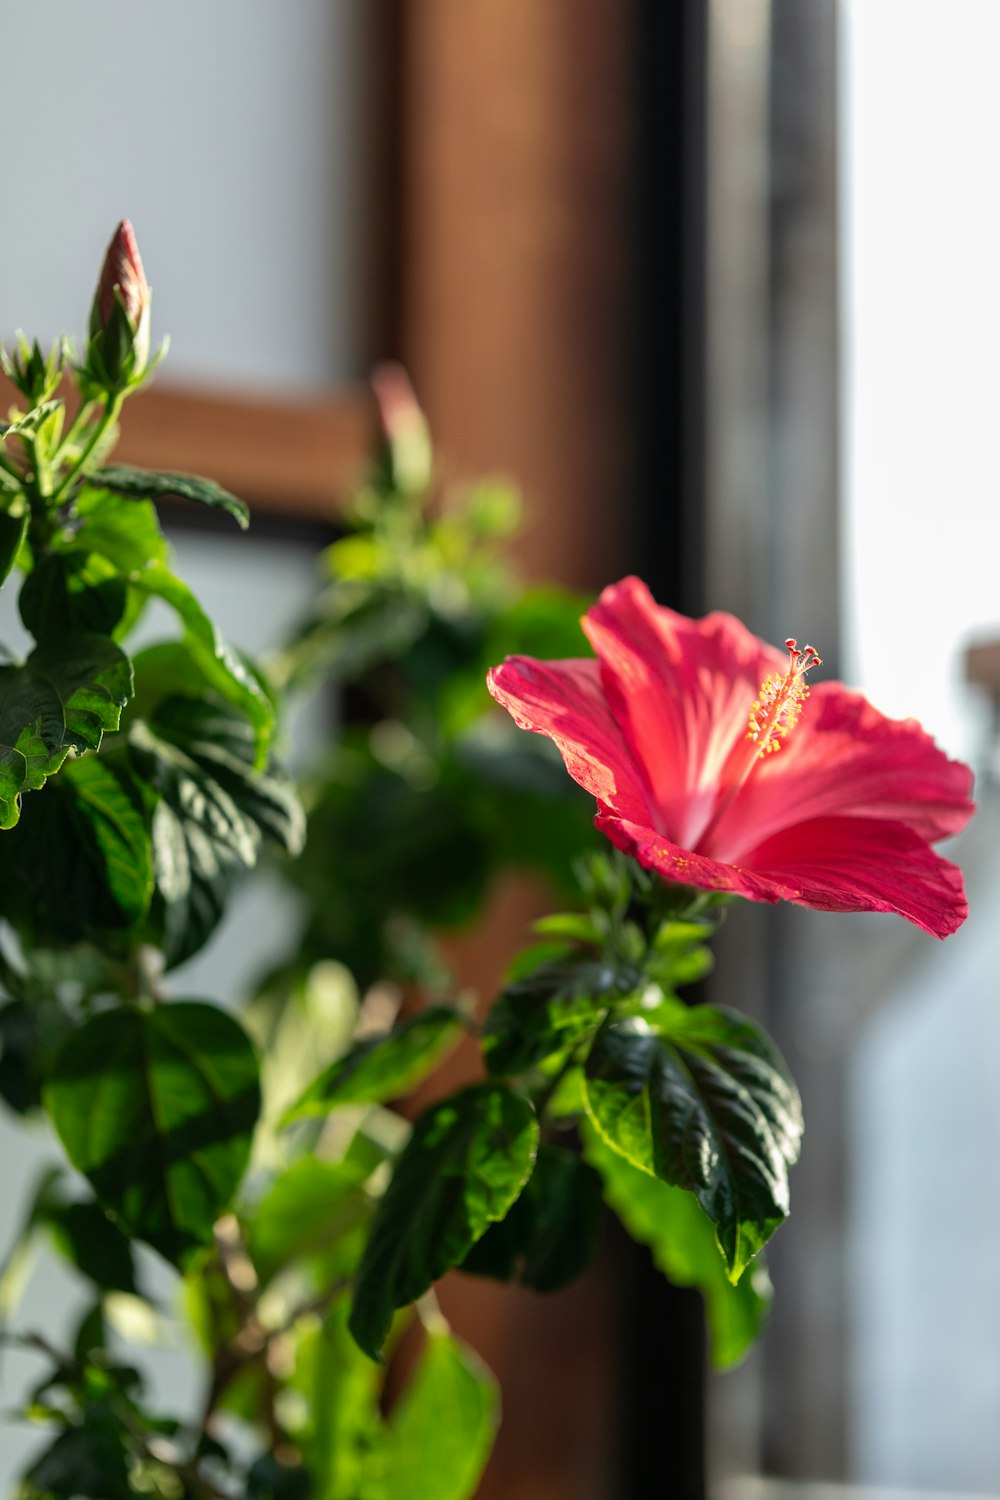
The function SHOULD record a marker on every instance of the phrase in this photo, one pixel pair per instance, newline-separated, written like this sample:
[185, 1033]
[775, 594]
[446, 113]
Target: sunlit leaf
[441, 1431]
[703, 1102]
[64, 697]
[305, 1210]
[221, 667]
[384, 1067]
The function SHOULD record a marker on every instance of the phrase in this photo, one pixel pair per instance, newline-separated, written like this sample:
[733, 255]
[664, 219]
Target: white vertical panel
[921, 250]
[230, 132]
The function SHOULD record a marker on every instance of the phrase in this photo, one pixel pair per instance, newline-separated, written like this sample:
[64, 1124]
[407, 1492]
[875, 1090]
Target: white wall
[921, 253]
[230, 133]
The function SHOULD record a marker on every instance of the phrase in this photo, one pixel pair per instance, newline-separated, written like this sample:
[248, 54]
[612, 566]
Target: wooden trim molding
[290, 456]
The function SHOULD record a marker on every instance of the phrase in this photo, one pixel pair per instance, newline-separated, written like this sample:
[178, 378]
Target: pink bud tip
[123, 269]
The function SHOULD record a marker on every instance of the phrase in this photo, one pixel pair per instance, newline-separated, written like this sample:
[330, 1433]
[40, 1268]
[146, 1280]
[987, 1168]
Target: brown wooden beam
[517, 141]
[293, 456]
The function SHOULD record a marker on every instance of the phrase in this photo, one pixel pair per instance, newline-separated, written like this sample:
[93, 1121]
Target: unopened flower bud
[403, 430]
[123, 269]
[118, 353]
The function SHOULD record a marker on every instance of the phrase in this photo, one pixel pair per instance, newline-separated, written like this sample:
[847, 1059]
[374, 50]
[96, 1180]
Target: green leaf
[548, 1012]
[12, 533]
[62, 698]
[146, 484]
[79, 863]
[30, 1028]
[543, 622]
[703, 1102]
[215, 808]
[157, 1109]
[339, 1389]
[549, 1235]
[309, 1206]
[221, 668]
[442, 1429]
[465, 1163]
[93, 1243]
[92, 680]
[86, 1462]
[385, 1067]
[29, 422]
[685, 1249]
[69, 592]
[128, 535]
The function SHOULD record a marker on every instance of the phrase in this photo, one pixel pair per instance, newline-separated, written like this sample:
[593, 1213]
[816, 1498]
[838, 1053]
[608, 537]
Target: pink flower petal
[679, 866]
[846, 758]
[563, 699]
[829, 864]
[865, 864]
[681, 690]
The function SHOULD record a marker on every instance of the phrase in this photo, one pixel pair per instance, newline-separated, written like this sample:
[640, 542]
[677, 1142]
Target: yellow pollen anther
[778, 705]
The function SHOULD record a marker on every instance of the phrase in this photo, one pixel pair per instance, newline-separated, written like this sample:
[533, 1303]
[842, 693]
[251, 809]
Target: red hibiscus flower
[673, 729]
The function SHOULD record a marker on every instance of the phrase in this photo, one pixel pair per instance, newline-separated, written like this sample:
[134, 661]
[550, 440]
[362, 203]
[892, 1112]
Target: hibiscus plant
[264, 1157]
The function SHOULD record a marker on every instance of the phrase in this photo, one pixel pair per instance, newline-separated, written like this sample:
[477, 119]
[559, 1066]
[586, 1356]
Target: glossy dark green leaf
[550, 1233]
[147, 484]
[68, 592]
[441, 1431]
[466, 1161]
[703, 1102]
[79, 863]
[685, 1249]
[383, 1067]
[548, 1012]
[215, 808]
[12, 532]
[179, 1097]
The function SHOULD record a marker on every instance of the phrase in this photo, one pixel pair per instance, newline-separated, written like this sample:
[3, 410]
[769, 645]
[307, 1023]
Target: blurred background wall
[233, 136]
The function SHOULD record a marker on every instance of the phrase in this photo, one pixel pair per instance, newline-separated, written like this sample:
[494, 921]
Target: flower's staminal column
[773, 716]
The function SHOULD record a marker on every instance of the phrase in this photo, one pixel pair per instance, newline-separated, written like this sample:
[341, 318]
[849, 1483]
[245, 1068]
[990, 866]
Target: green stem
[77, 425]
[97, 432]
